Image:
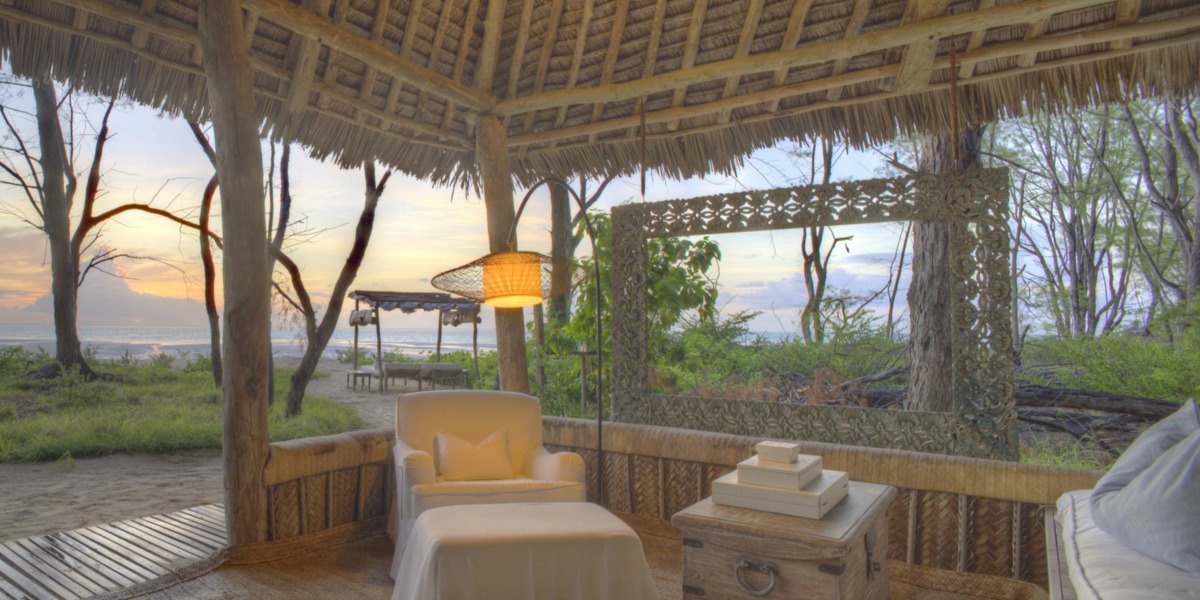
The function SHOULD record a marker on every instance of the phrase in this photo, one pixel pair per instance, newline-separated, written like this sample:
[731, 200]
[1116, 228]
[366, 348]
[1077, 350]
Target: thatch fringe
[355, 113]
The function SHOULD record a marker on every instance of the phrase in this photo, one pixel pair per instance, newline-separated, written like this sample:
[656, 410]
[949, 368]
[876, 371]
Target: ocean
[143, 342]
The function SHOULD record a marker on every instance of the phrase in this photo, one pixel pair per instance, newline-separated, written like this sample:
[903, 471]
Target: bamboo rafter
[880, 73]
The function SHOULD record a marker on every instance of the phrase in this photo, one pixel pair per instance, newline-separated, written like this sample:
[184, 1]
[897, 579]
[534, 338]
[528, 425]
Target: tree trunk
[318, 336]
[247, 343]
[58, 190]
[210, 280]
[562, 251]
[931, 380]
[491, 152]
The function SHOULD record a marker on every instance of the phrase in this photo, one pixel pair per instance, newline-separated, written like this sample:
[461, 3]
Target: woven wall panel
[617, 492]
[590, 472]
[645, 486]
[285, 510]
[991, 546]
[373, 491]
[681, 485]
[1033, 546]
[983, 423]
[712, 472]
[343, 497]
[316, 503]
[897, 520]
[937, 530]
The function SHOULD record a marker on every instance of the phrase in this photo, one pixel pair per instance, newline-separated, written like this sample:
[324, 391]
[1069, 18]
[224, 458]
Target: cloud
[105, 300]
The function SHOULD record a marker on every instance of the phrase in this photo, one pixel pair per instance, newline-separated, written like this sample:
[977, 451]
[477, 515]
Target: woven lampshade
[506, 279]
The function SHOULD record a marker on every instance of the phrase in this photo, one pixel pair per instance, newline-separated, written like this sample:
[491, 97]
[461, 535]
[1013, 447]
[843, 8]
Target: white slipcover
[561, 551]
[473, 415]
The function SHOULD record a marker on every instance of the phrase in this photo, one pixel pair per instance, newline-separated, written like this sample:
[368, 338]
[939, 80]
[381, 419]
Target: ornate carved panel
[983, 423]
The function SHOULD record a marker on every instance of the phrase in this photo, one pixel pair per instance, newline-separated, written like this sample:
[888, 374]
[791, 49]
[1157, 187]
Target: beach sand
[41, 498]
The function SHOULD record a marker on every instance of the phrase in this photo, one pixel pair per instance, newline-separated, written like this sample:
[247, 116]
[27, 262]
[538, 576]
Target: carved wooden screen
[983, 422]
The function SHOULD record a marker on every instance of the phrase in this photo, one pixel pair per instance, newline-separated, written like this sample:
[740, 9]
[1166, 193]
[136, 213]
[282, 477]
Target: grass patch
[147, 407]
[1066, 452]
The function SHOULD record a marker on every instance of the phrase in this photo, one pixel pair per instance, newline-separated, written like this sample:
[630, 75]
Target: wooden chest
[733, 552]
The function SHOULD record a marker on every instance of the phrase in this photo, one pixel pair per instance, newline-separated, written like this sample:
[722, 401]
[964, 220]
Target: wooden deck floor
[107, 558]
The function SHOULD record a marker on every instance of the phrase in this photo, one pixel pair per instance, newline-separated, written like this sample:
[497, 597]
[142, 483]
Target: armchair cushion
[460, 460]
[501, 491]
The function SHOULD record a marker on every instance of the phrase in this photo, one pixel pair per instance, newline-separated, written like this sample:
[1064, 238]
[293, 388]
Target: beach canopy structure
[451, 311]
[489, 92]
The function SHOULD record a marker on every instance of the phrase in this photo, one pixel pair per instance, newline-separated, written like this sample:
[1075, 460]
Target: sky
[419, 231]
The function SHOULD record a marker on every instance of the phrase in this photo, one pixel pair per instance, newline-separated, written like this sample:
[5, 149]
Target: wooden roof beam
[310, 25]
[377, 27]
[140, 36]
[960, 24]
[853, 27]
[460, 61]
[1034, 31]
[1127, 13]
[334, 58]
[585, 23]
[690, 50]
[489, 52]
[439, 37]
[966, 68]
[791, 37]
[656, 31]
[548, 41]
[411, 21]
[611, 56]
[917, 65]
[749, 28]
[305, 67]
[1000, 51]
[518, 53]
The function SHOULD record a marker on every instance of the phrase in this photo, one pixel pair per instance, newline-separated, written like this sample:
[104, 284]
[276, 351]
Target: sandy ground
[42, 498]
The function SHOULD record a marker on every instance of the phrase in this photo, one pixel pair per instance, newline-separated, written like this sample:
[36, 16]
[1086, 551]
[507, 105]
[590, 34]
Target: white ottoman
[552, 551]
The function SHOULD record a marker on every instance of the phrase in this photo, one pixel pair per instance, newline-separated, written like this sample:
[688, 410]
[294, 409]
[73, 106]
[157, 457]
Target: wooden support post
[438, 357]
[491, 152]
[247, 278]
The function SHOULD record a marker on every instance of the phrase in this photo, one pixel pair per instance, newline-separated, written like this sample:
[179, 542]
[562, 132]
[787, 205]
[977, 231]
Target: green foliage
[1065, 452]
[147, 407]
[1117, 364]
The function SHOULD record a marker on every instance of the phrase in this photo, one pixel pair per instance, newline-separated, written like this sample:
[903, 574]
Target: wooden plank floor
[87, 562]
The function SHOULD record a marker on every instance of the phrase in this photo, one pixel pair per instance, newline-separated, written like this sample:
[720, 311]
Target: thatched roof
[401, 80]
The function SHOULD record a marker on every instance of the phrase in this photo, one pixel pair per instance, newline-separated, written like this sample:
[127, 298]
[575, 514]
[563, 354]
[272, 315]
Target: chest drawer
[732, 552]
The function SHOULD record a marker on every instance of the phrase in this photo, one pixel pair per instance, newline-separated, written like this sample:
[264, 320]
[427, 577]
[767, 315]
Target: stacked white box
[784, 452]
[781, 480]
[788, 476]
[813, 502]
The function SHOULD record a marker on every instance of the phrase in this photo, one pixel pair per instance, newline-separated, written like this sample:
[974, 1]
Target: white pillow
[1148, 500]
[457, 459]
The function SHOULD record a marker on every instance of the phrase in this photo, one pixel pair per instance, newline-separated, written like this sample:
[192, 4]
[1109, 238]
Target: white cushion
[1148, 499]
[452, 493]
[457, 459]
[1102, 568]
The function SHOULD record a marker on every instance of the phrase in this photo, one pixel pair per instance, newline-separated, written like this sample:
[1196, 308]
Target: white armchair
[474, 415]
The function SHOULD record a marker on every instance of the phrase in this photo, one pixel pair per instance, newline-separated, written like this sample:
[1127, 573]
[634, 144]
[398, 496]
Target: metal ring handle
[761, 567]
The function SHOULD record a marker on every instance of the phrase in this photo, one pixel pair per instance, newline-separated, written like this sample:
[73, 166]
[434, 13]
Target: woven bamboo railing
[960, 514]
[335, 487]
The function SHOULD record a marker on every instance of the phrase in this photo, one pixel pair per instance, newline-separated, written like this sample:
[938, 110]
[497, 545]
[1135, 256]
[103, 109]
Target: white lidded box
[811, 503]
[784, 452]
[788, 476]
